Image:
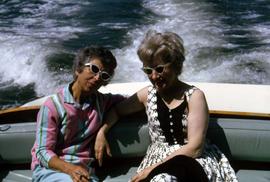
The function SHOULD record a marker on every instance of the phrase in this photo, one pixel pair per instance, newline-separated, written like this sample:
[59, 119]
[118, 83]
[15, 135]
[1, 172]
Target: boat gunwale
[28, 114]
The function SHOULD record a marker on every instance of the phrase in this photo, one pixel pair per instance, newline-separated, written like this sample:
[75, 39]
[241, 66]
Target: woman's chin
[160, 86]
[89, 88]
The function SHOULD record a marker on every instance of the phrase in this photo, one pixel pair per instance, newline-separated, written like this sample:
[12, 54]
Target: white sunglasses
[105, 76]
[159, 68]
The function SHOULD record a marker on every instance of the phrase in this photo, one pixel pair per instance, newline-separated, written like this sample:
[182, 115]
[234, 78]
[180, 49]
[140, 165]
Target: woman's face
[93, 76]
[161, 74]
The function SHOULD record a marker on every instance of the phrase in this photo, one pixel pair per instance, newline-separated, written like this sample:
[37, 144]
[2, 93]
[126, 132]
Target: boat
[239, 125]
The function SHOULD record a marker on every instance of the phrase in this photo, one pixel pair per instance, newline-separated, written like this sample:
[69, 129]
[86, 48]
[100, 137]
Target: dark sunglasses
[159, 68]
[95, 69]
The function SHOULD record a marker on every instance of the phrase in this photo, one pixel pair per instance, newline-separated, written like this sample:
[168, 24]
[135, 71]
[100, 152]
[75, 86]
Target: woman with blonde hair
[177, 119]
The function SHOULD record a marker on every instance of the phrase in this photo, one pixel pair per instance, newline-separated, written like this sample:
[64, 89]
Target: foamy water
[220, 46]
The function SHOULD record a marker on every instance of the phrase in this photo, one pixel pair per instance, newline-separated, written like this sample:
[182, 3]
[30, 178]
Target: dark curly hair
[87, 54]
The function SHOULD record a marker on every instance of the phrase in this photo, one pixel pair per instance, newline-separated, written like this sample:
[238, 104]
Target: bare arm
[133, 104]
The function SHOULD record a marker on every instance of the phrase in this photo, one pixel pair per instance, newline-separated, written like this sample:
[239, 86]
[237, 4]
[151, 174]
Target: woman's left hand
[101, 145]
[141, 176]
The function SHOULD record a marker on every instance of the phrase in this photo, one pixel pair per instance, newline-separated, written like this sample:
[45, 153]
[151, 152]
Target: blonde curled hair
[167, 46]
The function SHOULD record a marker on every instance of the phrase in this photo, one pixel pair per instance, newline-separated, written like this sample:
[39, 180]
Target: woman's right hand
[78, 173]
[101, 144]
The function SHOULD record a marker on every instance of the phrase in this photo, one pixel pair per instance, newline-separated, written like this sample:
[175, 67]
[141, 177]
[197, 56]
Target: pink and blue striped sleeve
[46, 134]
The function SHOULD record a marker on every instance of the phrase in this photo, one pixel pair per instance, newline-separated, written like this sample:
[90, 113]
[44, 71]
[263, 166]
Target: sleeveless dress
[171, 134]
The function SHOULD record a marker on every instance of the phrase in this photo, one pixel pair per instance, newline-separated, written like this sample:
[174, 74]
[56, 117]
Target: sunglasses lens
[94, 68]
[159, 69]
[147, 71]
[105, 76]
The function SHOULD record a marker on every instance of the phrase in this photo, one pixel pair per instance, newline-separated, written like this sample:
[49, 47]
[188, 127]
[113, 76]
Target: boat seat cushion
[16, 142]
[123, 175]
[241, 139]
[253, 175]
[16, 175]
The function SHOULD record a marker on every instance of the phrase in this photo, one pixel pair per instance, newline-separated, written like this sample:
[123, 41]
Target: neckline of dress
[177, 106]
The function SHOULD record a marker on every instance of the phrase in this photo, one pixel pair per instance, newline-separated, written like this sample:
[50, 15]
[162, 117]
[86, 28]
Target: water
[226, 40]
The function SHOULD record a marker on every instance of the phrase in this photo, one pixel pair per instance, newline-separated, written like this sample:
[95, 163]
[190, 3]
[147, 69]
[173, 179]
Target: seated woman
[177, 118]
[69, 120]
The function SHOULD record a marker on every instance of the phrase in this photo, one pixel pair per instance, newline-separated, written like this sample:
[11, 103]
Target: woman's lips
[90, 84]
[159, 83]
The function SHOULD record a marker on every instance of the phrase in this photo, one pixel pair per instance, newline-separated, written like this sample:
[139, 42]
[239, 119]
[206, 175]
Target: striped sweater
[67, 129]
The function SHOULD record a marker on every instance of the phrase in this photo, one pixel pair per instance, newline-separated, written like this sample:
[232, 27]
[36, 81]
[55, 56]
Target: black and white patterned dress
[166, 138]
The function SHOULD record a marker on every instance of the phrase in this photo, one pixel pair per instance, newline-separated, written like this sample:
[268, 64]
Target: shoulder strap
[189, 92]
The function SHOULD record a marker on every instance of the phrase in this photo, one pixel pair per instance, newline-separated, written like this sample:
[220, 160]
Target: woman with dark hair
[69, 120]
[177, 118]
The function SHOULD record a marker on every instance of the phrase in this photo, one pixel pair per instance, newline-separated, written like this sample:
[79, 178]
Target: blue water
[226, 40]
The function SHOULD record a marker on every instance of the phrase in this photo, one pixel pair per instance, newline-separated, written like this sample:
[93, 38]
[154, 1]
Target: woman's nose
[97, 76]
[154, 75]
